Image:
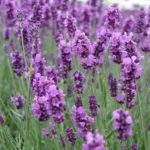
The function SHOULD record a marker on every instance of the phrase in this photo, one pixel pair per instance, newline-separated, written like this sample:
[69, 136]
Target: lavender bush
[74, 76]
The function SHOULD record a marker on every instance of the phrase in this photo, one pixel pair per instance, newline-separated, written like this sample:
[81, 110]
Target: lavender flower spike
[82, 121]
[17, 62]
[94, 141]
[122, 123]
[1, 118]
[93, 105]
[18, 101]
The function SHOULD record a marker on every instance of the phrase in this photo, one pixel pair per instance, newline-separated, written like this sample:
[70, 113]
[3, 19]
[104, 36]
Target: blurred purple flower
[122, 123]
[17, 62]
[81, 120]
[78, 78]
[71, 135]
[93, 105]
[18, 101]
[94, 141]
[112, 85]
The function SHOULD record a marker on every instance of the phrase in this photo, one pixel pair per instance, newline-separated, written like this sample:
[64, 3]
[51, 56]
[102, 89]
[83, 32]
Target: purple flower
[113, 85]
[1, 118]
[62, 140]
[6, 33]
[70, 90]
[122, 123]
[140, 24]
[116, 48]
[65, 58]
[134, 146]
[121, 98]
[49, 99]
[40, 84]
[78, 102]
[52, 73]
[131, 69]
[94, 141]
[41, 109]
[10, 12]
[70, 25]
[18, 101]
[99, 47]
[93, 105]
[112, 17]
[83, 49]
[148, 127]
[37, 13]
[17, 62]
[81, 120]
[128, 24]
[82, 45]
[78, 78]
[57, 103]
[51, 132]
[71, 136]
[39, 64]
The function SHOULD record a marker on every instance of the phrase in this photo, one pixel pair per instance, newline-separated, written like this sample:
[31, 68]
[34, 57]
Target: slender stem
[23, 48]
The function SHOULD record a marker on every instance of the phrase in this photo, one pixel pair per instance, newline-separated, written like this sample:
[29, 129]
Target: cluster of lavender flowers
[83, 33]
[18, 101]
[49, 100]
[122, 123]
[94, 141]
[82, 121]
[17, 62]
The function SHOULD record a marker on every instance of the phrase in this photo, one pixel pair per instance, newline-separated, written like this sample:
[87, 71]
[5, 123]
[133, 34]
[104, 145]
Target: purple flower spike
[113, 85]
[70, 24]
[17, 62]
[94, 141]
[115, 48]
[65, 58]
[18, 101]
[78, 78]
[71, 136]
[93, 105]
[1, 118]
[112, 17]
[99, 47]
[122, 123]
[134, 146]
[78, 102]
[51, 132]
[82, 121]
[41, 109]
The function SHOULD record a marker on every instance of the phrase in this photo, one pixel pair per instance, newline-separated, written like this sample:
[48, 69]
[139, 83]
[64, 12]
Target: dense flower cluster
[99, 47]
[94, 141]
[18, 101]
[113, 85]
[131, 70]
[49, 101]
[122, 123]
[51, 132]
[83, 50]
[112, 17]
[93, 105]
[78, 78]
[88, 40]
[81, 120]
[115, 48]
[65, 58]
[17, 62]
[71, 135]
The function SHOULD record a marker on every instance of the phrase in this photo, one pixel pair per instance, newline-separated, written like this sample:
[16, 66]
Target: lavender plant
[82, 73]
